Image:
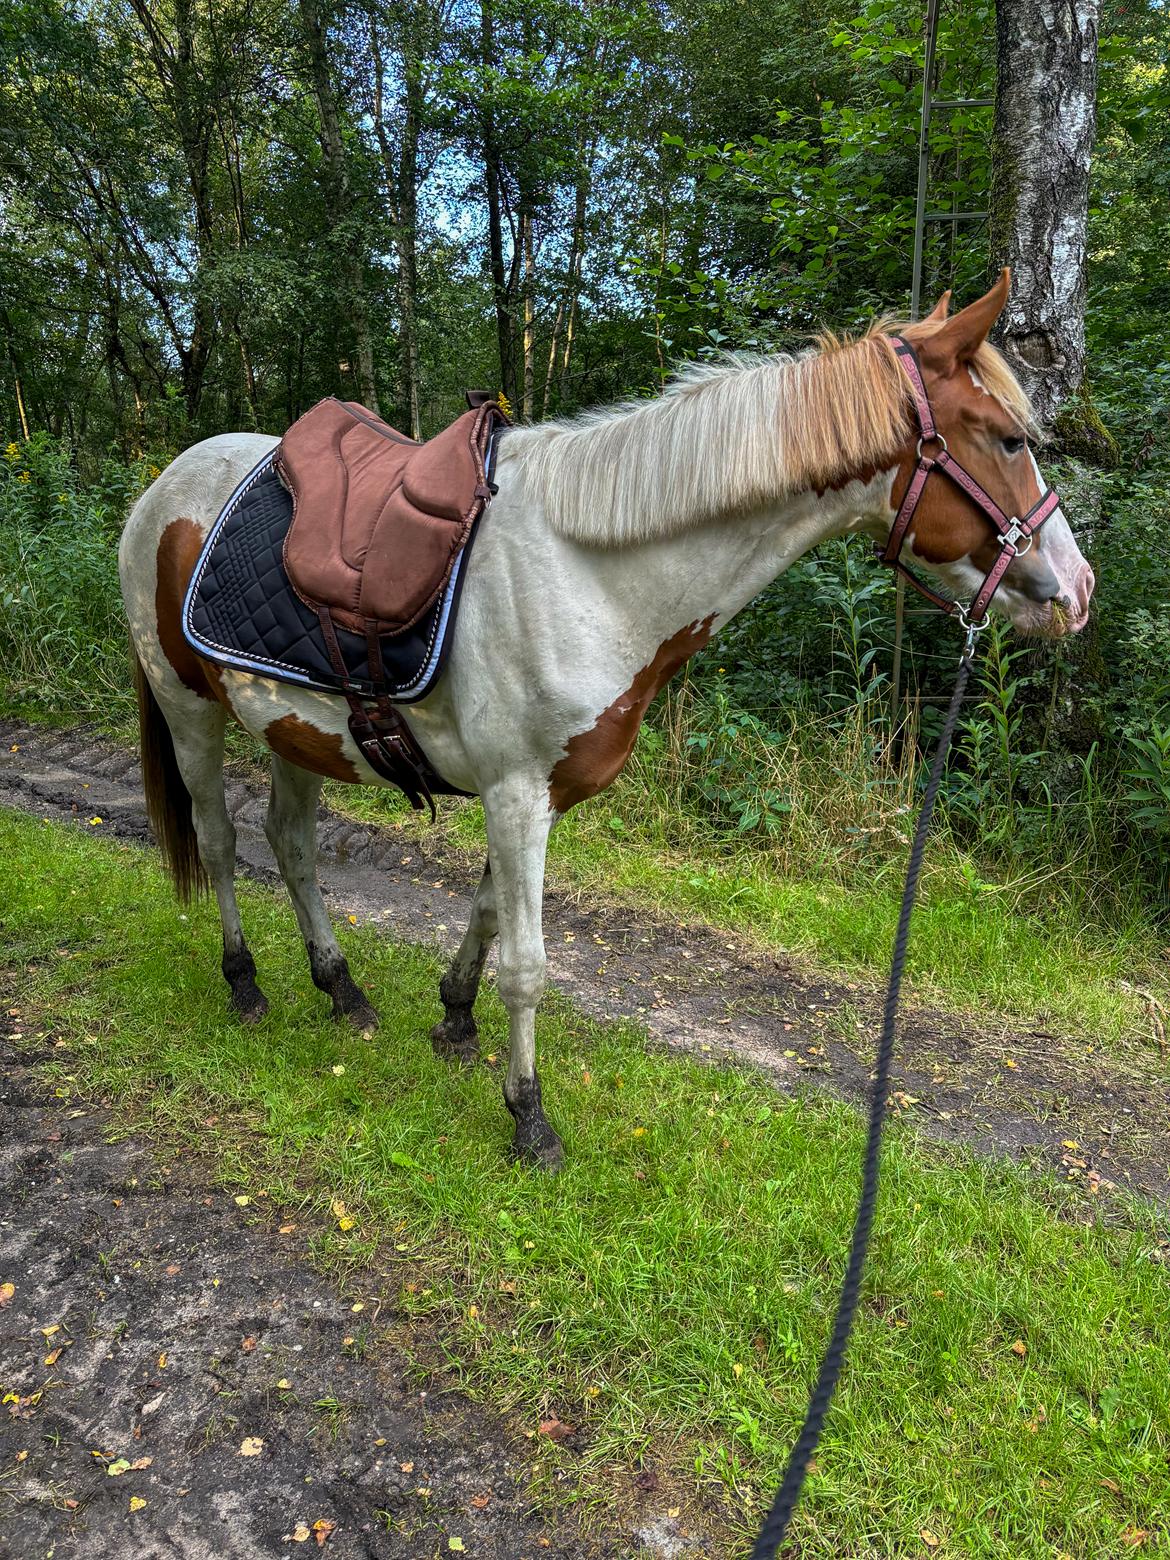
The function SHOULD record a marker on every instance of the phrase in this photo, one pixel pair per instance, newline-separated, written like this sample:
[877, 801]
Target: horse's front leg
[518, 821]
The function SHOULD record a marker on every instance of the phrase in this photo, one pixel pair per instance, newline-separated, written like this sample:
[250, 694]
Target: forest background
[215, 212]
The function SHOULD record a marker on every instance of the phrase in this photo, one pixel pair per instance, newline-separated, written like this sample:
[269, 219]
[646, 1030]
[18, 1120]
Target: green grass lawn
[1007, 1390]
[994, 948]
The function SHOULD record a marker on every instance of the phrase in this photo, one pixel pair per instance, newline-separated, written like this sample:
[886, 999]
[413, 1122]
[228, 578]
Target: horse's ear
[940, 311]
[959, 338]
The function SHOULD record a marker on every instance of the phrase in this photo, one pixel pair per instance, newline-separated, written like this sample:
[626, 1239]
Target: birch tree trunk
[1045, 123]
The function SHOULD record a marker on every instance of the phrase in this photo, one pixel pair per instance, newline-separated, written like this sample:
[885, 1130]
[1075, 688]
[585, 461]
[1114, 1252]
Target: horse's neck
[709, 573]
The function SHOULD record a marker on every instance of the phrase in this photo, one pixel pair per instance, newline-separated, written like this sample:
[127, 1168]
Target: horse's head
[982, 415]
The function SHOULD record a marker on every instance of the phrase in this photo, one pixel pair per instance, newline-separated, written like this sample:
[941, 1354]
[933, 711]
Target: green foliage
[62, 634]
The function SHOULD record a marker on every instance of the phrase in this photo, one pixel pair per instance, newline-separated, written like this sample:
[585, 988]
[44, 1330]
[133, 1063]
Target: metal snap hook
[973, 629]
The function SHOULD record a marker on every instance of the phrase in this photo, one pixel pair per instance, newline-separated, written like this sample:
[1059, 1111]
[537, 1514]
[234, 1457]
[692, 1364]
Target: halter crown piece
[1011, 532]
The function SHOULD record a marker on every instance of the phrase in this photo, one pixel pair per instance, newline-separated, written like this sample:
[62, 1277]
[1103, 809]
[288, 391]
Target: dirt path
[178, 1381]
[692, 988]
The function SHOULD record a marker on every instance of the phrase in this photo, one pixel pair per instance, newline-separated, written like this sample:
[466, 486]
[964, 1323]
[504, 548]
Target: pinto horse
[618, 544]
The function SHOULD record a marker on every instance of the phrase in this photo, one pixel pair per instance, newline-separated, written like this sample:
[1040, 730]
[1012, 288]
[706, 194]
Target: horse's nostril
[1086, 581]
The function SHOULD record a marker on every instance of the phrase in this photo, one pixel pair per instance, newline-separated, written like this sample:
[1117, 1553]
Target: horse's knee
[521, 984]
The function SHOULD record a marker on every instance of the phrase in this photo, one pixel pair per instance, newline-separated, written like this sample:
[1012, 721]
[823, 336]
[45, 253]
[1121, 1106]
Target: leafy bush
[62, 633]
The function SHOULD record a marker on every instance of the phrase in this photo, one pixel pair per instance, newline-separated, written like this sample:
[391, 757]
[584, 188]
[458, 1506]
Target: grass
[1006, 1391]
[976, 945]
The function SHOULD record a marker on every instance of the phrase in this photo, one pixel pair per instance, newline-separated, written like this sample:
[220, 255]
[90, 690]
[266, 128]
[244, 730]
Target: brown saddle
[378, 520]
[378, 523]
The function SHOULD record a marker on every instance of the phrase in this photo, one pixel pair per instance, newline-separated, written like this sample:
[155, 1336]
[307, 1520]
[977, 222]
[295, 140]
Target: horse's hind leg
[455, 1035]
[197, 735]
[291, 827]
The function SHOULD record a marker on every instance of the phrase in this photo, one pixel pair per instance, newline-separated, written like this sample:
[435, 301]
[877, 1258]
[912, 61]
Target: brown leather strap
[386, 742]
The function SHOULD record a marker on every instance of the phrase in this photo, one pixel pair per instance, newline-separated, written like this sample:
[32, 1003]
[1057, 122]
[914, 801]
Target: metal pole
[923, 158]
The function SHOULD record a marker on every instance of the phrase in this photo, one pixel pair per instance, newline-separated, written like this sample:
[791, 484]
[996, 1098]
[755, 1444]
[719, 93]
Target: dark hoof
[456, 1038]
[248, 1001]
[349, 1000]
[535, 1142]
[358, 1011]
[250, 1007]
[543, 1150]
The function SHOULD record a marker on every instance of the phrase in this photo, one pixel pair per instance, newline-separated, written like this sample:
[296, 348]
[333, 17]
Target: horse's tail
[168, 802]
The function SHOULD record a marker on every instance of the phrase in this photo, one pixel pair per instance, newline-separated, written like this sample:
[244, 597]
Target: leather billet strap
[387, 743]
[1011, 532]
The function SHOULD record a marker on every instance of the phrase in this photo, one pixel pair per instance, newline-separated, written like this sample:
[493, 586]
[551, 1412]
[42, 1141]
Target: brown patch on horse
[594, 758]
[178, 552]
[310, 748]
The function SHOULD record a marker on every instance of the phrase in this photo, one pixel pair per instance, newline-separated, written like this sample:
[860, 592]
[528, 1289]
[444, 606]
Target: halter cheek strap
[1011, 532]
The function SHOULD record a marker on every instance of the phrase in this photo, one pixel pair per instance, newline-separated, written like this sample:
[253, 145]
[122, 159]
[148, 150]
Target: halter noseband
[1011, 532]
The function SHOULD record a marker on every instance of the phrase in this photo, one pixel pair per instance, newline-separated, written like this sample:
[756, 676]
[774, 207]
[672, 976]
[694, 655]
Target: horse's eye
[1014, 445]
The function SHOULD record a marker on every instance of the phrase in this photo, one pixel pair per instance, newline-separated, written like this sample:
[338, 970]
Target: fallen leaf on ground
[931, 1540]
[251, 1446]
[54, 1355]
[1134, 1537]
[162, 1362]
[555, 1429]
[287, 1229]
[242, 1201]
[321, 1531]
[407, 1467]
[457, 1545]
[1020, 1347]
[141, 1462]
[119, 1465]
[300, 1533]
[284, 1383]
[137, 1502]
[47, 1332]
[172, 1269]
[480, 1501]
[247, 1344]
[6, 1293]
[21, 1456]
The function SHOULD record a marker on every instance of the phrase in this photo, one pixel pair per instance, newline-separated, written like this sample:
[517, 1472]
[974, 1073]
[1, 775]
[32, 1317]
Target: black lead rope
[774, 1528]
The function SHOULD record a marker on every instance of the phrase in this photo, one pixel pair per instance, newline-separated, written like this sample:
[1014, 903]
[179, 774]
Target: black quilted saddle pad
[242, 612]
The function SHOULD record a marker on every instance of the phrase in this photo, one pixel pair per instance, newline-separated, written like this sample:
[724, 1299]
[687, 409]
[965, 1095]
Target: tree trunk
[337, 194]
[529, 287]
[491, 166]
[1045, 122]
[402, 180]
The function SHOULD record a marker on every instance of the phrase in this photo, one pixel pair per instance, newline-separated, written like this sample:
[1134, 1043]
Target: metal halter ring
[935, 438]
[972, 628]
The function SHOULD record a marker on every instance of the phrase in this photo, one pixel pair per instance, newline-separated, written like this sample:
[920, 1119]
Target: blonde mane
[729, 436]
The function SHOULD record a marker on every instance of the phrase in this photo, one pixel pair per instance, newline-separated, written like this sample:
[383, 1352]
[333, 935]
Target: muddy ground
[153, 1323]
[177, 1380]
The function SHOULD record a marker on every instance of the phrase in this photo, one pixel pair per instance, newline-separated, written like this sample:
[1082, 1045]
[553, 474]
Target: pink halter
[1011, 532]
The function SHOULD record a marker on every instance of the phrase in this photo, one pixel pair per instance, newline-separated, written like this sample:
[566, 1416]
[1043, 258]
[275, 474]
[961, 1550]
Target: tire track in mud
[690, 987]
